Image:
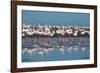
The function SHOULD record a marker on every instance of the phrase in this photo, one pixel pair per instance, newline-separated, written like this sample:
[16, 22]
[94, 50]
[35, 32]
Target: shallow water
[63, 48]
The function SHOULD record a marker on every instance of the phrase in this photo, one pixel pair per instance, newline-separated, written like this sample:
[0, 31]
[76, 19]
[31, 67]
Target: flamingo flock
[44, 46]
[46, 51]
[49, 45]
[47, 30]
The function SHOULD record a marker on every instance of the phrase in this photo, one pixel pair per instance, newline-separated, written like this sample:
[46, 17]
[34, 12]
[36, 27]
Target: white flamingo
[83, 48]
[70, 49]
[30, 32]
[34, 50]
[24, 50]
[47, 33]
[75, 48]
[23, 34]
[58, 31]
[83, 32]
[50, 49]
[40, 53]
[25, 30]
[62, 50]
[52, 33]
[88, 32]
[75, 33]
[46, 51]
[29, 51]
[69, 31]
[62, 32]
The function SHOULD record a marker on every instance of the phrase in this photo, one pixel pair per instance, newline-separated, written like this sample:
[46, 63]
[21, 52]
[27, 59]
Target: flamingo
[70, 49]
[83, 32]
[40, 53]
[75, 48]
[24, 50]
[25, 29]
[62, 50]
[34, 50]
[29, 51]
[75, 33]
[23, 34]
[83, 48]
[29, 32]
[50, 49]
[46, 51]
[69, 31]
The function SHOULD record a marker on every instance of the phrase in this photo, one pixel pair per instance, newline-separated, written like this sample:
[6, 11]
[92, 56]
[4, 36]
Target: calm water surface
[55, 49]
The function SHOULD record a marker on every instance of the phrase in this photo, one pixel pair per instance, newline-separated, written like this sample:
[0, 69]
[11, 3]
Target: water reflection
[48, 47]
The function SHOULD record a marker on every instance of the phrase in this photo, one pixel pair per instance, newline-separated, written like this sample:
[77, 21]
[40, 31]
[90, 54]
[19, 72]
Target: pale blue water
[56, 55]
[55, 18]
